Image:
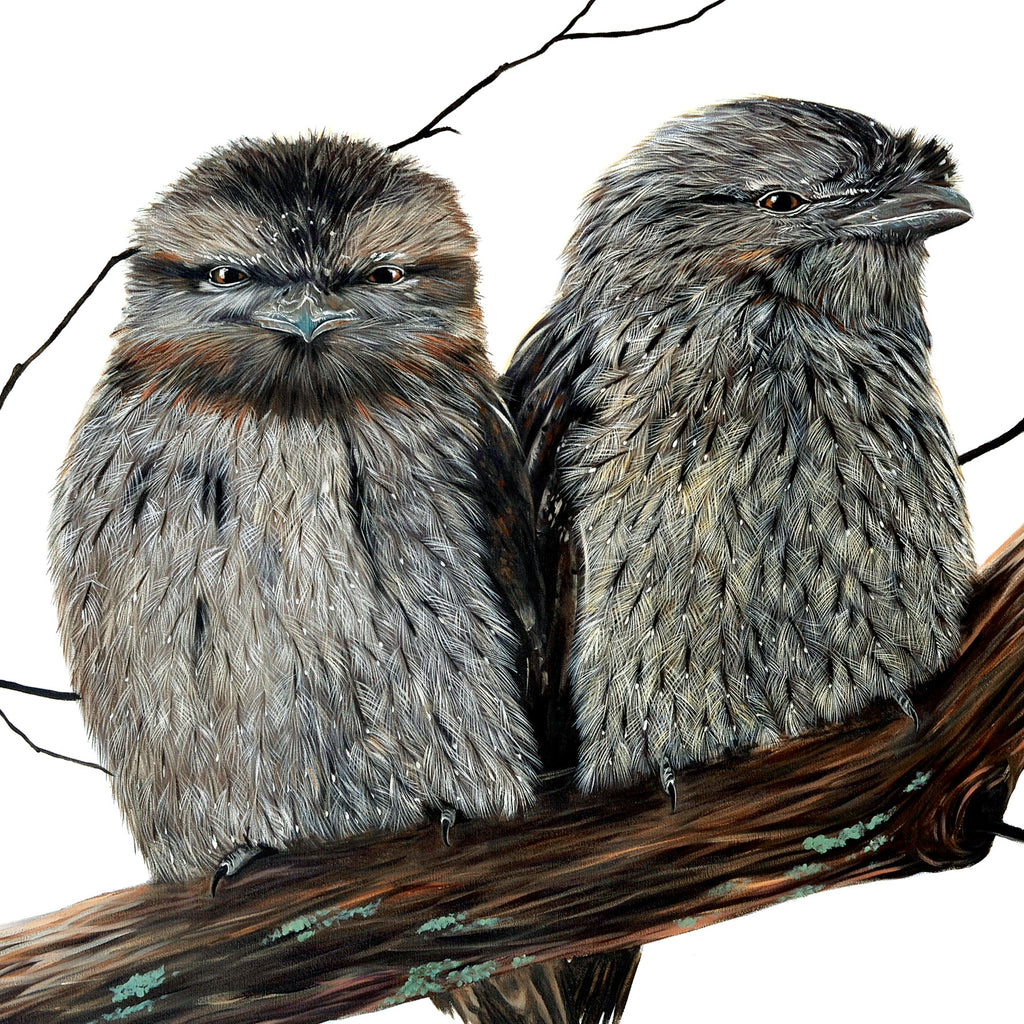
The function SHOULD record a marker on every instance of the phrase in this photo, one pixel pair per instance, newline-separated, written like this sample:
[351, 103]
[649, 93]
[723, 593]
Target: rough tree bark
[370, 923]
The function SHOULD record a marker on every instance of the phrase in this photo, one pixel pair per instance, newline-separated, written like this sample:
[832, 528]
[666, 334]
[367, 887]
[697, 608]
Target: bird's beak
[307, 317]
[915, 213]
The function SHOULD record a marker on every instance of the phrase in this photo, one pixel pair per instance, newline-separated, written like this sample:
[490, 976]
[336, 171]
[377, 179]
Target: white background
[105, 103]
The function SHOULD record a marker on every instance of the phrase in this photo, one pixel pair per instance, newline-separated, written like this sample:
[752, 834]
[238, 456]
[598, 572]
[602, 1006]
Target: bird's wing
[508, 532]
[539, 384]
[542, 400]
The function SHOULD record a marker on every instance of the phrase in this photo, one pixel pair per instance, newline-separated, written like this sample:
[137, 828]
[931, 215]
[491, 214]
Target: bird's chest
[282, 629]
[722, 460]
[638, 469]
[214, 541]
[772, 532]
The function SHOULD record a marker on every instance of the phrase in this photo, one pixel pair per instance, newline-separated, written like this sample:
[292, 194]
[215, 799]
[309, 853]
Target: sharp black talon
[907, 707]
[668, 783]
[235, 862]
[447, 820]
[218, 875]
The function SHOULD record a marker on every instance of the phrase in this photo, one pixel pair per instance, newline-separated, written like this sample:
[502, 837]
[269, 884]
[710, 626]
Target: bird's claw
[447, 820]
[234, 862]
[668, 783]
[907, 707]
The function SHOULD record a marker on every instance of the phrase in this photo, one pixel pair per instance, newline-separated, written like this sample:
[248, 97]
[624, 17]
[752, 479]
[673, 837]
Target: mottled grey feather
[294, 667]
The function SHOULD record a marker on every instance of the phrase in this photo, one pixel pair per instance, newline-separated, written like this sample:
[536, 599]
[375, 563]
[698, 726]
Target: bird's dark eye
[224, 277]
[782, 202]
[385, 274]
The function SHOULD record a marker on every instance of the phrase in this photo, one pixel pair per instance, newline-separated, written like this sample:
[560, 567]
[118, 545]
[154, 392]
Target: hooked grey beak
[918, 212]
[306, 318]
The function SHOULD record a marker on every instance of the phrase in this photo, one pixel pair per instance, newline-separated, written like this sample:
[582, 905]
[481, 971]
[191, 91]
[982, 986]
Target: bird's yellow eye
[385, 274]
[224, 277]
[782, 202]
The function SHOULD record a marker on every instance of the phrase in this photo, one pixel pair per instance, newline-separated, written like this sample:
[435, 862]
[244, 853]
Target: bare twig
[1014, 832]
[434, 127]
[50, 753]
[20, 368]
[622, 33]
[38, 691]
[996, 442]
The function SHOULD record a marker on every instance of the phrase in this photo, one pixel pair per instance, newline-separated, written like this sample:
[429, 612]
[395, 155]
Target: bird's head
[297, 276]
[809, 201]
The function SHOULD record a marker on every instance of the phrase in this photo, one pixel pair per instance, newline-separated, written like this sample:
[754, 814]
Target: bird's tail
[601, 984]
[584, 990]
[535, 994]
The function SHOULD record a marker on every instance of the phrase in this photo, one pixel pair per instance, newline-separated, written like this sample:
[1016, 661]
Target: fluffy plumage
[291, 542]
[750, 512]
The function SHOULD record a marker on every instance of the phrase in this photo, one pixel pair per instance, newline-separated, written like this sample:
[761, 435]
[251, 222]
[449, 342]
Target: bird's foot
[447, 820]
[668, 783]
[235, 862]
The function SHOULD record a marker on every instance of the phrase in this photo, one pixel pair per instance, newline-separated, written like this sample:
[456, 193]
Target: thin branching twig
[20, 368]
[51, 753]
[622, 33]
[1014, 832]
[996, 442]
[38, 691]
[434, 126]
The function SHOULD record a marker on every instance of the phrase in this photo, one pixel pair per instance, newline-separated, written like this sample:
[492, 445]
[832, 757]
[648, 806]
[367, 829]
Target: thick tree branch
[380, 920]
